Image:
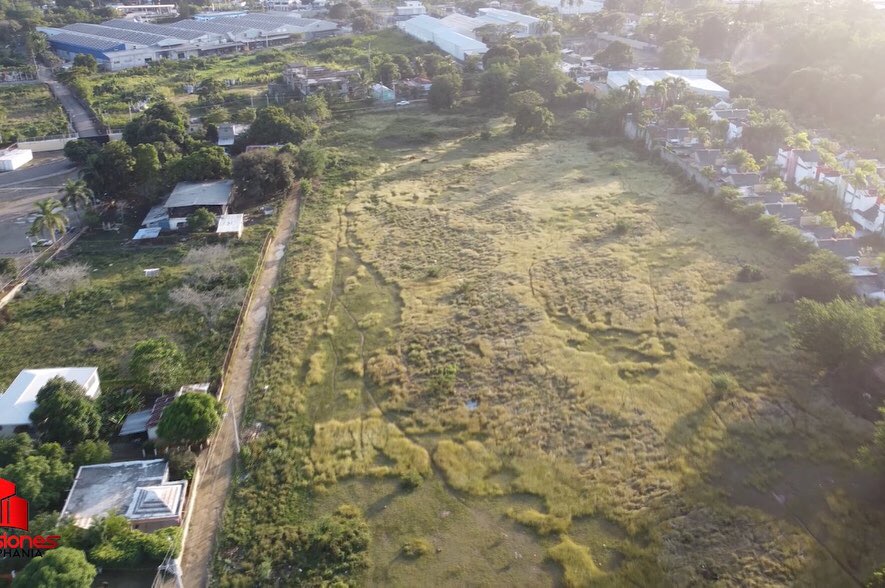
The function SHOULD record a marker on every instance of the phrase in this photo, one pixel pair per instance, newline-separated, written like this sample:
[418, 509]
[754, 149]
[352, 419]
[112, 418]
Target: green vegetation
[29, 110]
[64, 413]
[59, 567]
[190, 419]
[611, 402]
[158, 366]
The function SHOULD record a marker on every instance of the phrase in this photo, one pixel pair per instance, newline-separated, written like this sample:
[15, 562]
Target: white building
[12, 159]
[577, 7]
[432, 30]
[522, 25]
[409, 9]
[696, 79]
[146, 12]
[20, 399]
[798, 165]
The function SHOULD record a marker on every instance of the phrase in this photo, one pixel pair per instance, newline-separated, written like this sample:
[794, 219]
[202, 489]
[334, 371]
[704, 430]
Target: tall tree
[444, 92]
[76, 195]
[157, 365]
[678, 54]
[65, 414]
[49, 219]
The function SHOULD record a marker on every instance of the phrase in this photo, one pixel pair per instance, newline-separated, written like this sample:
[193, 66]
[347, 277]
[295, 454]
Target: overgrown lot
[530, 363]
[113, 93]
[29, 110]
[98, 322]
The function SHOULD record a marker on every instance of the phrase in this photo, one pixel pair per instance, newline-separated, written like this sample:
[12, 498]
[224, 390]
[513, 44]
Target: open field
[29, 110]
[530, 363]
[99, 324]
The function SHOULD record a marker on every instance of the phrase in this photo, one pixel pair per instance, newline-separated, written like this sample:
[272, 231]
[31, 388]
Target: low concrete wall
[46, 145]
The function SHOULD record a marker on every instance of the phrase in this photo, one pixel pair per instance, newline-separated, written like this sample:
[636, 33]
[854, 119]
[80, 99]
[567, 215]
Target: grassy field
[99, 325]
[29, 110]
[251, 73]
[530, 363]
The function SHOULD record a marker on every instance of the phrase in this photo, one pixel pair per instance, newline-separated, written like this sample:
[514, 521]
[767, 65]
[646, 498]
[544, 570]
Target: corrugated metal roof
[86, 41]
[147, 27]
[137, 37]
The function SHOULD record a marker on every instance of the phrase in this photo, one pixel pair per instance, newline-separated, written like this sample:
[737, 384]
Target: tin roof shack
[214, 196]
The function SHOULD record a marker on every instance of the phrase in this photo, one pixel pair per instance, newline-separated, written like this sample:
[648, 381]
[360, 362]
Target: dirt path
[217, 469]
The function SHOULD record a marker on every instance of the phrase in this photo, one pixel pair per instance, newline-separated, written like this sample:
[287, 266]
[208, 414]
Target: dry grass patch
[577, 563]
[468, 466]
[368, 446]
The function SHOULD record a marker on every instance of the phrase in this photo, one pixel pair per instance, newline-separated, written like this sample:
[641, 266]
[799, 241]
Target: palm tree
[633, 90]
[76, 194]
[658, 93]
[50, 218]
[675, 89]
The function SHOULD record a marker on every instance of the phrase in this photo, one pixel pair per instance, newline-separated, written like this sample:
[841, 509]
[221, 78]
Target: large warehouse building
[120, 44]
[432, 30]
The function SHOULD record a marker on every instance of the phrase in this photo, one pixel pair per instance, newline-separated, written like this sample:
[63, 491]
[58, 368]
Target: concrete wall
[46, 145]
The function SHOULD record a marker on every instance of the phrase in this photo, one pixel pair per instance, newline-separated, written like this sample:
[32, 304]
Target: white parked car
[403, 103]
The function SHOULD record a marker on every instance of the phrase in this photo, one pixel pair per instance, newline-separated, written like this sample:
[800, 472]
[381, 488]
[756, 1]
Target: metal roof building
[695, 78]
[432, 30]
[118, 43]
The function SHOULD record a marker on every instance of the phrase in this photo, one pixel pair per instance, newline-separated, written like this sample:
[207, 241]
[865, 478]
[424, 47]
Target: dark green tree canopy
[444, 92]
[191, 418]
[272, 126]
[63, 567]
[65, 414]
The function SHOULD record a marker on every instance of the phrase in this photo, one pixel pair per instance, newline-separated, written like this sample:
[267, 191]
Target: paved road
[78, 115]
[217, 469]
[19, 189]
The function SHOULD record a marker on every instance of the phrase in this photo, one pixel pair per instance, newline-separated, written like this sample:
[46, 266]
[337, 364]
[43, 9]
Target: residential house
[381, 93]
[414, 87]
[866, 205]
[745, 182]
[138, 490]
[788, 212]
[843, 247]
[798, 165]
[702, 158]
[20, 398]
[736, 118]
[408, 9]
[305, 80]
[215, 196]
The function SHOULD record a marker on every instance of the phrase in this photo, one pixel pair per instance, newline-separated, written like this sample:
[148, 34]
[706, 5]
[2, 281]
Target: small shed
[230, 224]
[13, 159]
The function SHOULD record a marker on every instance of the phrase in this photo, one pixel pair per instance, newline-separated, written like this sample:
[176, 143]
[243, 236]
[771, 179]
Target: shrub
[750, 273]
[8, 266]
[182, 464]
[157, 365]
[839, 333]
[201, 220]
[62, 279]
[416, 548]
[90, 452]
[823, 277]
[622, 226]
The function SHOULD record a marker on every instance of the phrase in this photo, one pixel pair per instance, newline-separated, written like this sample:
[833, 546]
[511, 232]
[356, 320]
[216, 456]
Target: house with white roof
[20, 399]
[138, 490]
